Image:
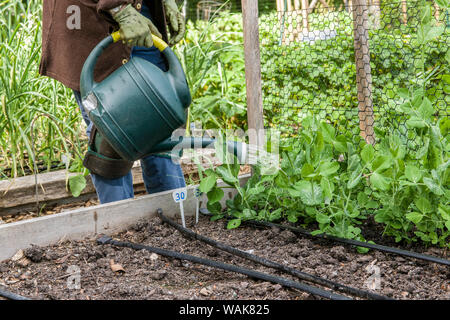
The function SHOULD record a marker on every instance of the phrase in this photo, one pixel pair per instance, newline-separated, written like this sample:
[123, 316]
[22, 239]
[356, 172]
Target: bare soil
[51, 272]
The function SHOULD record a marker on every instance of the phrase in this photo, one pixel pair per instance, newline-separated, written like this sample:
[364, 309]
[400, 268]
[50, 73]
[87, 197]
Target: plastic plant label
[197, 193]
[179, 195]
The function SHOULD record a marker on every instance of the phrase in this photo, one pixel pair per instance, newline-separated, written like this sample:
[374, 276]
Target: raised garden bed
[45, 272]
[65, 246]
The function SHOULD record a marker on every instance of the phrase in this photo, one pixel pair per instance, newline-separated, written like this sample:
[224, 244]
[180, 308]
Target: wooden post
[253, 72]
[363, 70]
[405, 12]
[305, 7]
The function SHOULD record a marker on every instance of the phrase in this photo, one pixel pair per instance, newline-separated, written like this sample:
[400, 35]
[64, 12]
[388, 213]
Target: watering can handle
[157, 42]
[87, 82]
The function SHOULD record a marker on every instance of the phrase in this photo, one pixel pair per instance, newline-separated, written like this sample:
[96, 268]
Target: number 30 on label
[179, 195]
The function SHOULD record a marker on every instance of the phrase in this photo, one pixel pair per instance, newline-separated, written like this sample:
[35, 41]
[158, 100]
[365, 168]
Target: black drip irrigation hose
[227, 267]
[378, 247]
[271, 264]
[11, 296]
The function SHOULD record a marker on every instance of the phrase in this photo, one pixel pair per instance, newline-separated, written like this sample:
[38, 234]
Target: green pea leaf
[77, 184]
[292, 216]
[367, 153]
[275, 215]
[316, 232]
[215, 207]
[379, 181]
[328, 168]
[426, 109]
[381, 163]
[321, 218]
[327, 187]
[423, 204]
[362, 199]
[413, 173]
[208, 183]
[415, 217]
[354, 179]
[403, 93]
[433, 186]
[341, 143]
[233, 224]
[328, 132]
[307, 170]
[227, 175]
[416, 122]
[309, 192]
[215, 195]
[216, 217]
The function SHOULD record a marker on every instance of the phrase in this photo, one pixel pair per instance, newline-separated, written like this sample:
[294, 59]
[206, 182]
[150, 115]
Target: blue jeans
[159, 173]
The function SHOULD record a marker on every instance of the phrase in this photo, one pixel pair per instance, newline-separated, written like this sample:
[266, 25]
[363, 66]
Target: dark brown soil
[48, 272]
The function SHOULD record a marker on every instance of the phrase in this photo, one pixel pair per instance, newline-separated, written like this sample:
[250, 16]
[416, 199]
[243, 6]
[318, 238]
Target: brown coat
[64, 49]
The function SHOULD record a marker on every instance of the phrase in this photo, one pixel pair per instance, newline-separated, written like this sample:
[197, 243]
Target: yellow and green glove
[177, 26]
[135, 29]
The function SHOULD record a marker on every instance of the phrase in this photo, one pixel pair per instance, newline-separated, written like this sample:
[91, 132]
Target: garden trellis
[348, 63]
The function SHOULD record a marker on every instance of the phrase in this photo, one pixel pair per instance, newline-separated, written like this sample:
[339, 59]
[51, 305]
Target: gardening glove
[176, 22]
[135, 29]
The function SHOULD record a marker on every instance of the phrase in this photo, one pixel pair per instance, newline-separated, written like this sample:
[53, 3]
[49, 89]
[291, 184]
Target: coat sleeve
[103, 6]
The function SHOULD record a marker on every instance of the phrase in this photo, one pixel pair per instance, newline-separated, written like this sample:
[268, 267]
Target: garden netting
[308, 62]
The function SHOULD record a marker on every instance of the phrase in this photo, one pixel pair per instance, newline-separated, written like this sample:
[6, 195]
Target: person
[70, 30]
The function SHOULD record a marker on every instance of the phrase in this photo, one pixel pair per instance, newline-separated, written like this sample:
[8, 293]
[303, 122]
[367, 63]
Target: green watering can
[138, 107]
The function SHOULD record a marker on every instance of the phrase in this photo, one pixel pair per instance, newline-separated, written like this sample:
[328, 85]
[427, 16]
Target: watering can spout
[236, 148]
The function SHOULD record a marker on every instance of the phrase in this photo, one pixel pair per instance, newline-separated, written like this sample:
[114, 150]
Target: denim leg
[161, 174]
[108, 190]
